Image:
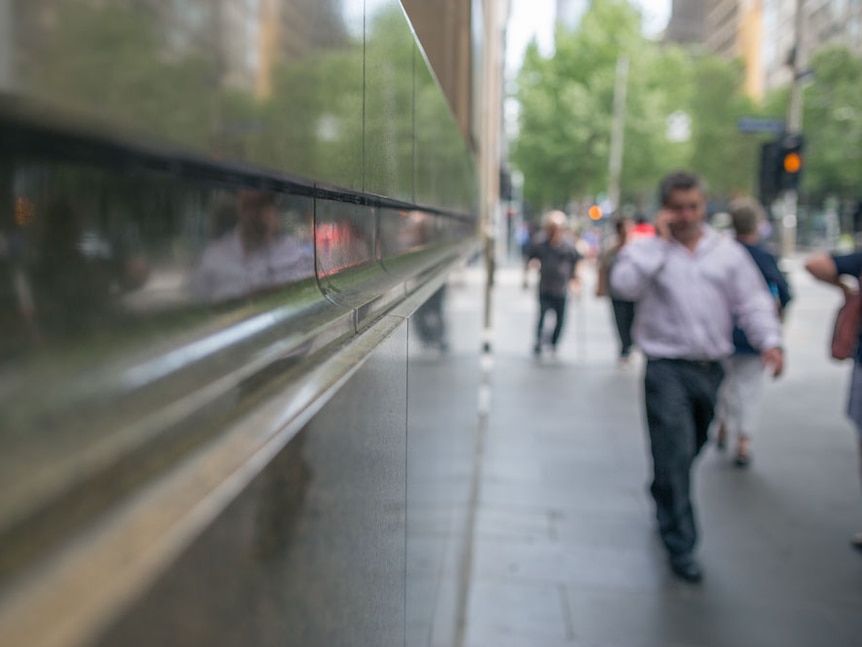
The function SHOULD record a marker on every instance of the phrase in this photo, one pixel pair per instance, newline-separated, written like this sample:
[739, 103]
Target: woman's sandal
[721, 437]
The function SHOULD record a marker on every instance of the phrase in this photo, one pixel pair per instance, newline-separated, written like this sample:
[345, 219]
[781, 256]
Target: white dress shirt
[687, 302]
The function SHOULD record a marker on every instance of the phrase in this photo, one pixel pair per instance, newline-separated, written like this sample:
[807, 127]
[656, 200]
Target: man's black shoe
[686, 568]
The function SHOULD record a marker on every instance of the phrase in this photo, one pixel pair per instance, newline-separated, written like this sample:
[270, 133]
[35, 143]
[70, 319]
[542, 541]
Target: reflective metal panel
[176, 301]
[312, 552]
[403, 231]
[348, 265]
[344, 236]
[445, 173]
[266, 243]
[89, 251]
[277, 83]
[389, 61]
[126, 294]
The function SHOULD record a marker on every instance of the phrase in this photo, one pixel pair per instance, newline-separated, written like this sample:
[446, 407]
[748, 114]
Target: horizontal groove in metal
[36, 512]
[49, 136]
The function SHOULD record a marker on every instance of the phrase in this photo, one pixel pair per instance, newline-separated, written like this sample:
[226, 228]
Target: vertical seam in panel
[364, 84]
[316, 255]
[406, 468]
[413, 128]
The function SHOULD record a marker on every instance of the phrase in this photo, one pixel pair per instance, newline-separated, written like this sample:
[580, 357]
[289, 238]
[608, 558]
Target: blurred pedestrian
[558, 261]
[833, 269]
[688, 283]
[623, 309]
[642, 228]
[738, 398]
[430, 321]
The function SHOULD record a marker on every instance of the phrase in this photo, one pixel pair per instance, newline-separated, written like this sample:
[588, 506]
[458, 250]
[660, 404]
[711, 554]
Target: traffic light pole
[617, 132]
[794, 127]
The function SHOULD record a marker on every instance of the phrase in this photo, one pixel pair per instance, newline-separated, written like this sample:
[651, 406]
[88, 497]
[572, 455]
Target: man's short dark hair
[746, 214]
[679, 181]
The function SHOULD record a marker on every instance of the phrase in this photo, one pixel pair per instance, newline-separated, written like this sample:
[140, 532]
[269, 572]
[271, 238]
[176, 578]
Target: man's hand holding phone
[663, 220]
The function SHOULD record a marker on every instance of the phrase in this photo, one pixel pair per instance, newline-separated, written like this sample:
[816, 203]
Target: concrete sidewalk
[566, 551]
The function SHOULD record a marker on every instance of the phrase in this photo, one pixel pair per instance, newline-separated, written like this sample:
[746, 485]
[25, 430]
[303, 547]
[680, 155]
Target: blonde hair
[555, 218]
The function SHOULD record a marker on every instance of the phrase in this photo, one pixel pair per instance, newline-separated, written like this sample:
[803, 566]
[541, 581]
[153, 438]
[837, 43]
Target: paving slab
[565, 547]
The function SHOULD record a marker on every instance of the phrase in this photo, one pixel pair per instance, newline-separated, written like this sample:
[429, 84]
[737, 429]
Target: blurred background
[260, 267]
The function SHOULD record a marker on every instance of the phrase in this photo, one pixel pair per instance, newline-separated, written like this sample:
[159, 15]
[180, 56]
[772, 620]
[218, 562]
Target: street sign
[760, 125]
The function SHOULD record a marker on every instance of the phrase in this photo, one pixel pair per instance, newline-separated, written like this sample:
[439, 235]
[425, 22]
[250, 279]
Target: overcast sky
[530, 18]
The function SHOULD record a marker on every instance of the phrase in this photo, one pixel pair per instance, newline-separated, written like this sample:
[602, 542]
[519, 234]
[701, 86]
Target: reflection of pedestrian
[72, 288]
[430, 321]
[253, 256]
[739, 394]
[623, 310]
[831, 269]
[688, 283]
[558, 262]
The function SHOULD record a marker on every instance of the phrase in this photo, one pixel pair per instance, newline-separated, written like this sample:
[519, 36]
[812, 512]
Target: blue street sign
[760, 125]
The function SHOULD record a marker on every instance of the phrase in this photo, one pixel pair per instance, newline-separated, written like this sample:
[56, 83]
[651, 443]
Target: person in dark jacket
[558, 265]
[843, 271]
[739, 396]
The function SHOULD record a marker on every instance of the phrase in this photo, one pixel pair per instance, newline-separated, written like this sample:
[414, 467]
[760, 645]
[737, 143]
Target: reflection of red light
[25, 210]
[340, 246]
[326, 233]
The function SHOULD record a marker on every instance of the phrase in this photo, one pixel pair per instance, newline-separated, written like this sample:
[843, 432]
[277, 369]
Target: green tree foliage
[832, 125]
[566, 105]
[726, 158]
[563, 143]
[659, 85]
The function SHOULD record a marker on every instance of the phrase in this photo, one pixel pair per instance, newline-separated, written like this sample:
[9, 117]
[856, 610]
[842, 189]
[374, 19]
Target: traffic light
[781, 166]
[790, 162]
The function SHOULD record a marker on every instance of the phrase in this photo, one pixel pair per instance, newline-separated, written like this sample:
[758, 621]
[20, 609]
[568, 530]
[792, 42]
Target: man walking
[558, 263]
[690, 284]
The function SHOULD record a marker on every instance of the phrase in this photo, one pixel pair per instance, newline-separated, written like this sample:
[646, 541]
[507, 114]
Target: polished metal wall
[312, 551]
[217, 220]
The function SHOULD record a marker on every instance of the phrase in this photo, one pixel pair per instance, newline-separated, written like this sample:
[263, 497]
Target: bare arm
[755, 311]
[575, 280]
[822, 267]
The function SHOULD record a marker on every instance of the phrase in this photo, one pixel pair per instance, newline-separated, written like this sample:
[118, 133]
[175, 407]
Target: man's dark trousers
[624, 316]
[556, 303]
[680, 398]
